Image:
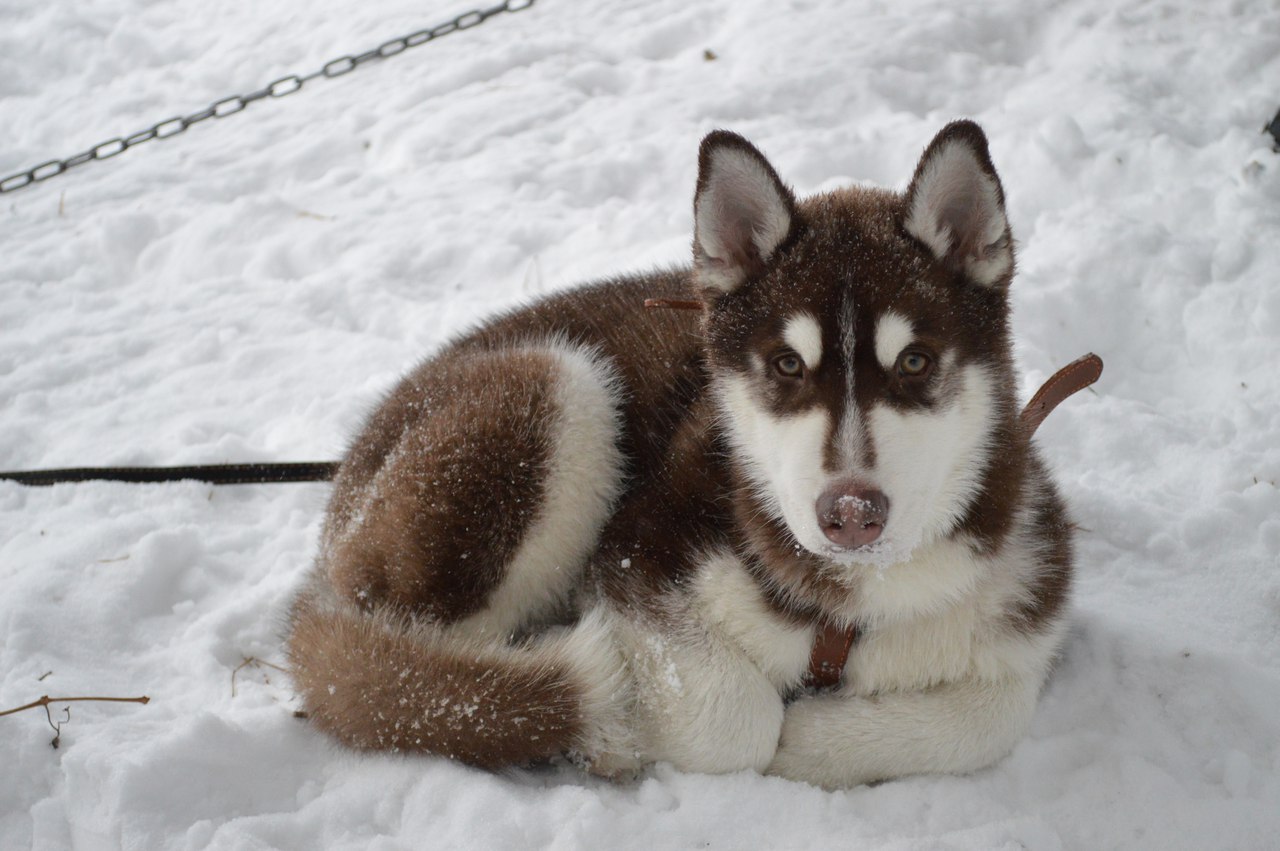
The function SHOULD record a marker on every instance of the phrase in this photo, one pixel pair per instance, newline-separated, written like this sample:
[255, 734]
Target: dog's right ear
[742, 212]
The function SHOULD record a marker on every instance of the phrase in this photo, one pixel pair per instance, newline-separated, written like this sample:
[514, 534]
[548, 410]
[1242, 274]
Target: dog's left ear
[955, 206]
[742, 213]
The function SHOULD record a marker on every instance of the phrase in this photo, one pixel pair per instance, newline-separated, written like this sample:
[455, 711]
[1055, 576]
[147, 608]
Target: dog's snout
[852, 515]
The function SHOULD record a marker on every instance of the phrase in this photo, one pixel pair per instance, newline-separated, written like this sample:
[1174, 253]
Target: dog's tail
[385, 682]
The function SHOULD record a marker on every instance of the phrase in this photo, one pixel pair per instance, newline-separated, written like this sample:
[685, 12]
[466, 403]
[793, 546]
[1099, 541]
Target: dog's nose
[852, 515]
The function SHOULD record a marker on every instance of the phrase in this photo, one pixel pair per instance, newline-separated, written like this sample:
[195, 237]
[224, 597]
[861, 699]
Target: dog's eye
[914, 364]
[789, 366]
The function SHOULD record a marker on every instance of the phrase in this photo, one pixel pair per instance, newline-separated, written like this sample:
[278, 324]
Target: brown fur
[442, 508]
[492, 712]
[1052, 585]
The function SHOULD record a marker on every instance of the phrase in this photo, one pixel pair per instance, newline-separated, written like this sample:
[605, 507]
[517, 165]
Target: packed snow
[247, 290]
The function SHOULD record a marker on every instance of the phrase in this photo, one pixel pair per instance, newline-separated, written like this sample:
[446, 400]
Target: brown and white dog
[592, 530]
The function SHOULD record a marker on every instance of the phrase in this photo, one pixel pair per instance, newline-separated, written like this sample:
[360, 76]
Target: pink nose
[852, 515]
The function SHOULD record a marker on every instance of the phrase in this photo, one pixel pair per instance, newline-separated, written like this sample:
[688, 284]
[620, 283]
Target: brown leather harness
[833, 641]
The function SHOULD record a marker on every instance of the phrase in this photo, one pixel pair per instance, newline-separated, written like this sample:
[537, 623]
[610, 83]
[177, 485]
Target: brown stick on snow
[46, 700]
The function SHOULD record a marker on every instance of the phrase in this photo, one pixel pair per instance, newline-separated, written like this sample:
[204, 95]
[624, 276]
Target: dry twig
[46, 700]
[57, 726]
[252, 660]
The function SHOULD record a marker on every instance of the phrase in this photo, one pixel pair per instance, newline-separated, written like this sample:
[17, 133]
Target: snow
[247, 290]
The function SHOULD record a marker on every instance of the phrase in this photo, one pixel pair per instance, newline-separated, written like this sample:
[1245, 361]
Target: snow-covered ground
[246, 292]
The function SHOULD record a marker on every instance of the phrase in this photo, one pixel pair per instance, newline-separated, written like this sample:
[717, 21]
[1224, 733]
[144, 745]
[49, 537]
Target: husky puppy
[595, 530]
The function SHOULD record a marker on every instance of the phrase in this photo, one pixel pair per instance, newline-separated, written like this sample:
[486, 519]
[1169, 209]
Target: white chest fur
[942, 617]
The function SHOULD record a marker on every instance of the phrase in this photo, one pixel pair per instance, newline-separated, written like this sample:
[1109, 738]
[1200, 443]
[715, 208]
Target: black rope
[214, 474]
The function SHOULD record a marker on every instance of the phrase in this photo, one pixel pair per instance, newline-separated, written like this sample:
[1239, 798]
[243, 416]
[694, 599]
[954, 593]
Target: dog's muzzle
[852, 515]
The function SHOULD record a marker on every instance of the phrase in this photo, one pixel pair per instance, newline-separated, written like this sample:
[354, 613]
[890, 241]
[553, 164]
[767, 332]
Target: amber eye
[914, 364]
[789, 366]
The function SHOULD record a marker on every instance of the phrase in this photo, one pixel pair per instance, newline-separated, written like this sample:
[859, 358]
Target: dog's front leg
[700, 703]
[840, 740]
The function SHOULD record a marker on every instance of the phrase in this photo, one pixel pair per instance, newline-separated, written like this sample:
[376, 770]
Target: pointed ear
[742, 212]
[955, 206]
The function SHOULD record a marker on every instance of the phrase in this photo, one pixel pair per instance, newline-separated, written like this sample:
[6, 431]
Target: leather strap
[831, 648]
[832, 643]
[1068, 381]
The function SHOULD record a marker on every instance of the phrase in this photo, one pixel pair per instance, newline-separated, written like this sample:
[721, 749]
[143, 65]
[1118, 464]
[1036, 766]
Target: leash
[833, 642]
[214, 474]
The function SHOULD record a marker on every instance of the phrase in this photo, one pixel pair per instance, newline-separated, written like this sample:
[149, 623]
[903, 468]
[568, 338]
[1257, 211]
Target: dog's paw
[616, 764]
[792, 764]
[814, 746]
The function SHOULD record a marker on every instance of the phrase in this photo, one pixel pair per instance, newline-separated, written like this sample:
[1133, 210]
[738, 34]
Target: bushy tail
[384, 682]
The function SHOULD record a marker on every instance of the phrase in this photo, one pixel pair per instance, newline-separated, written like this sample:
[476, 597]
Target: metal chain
[171, 127]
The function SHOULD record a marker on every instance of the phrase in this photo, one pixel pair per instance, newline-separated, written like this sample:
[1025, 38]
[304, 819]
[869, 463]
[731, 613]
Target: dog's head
[858, 341]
